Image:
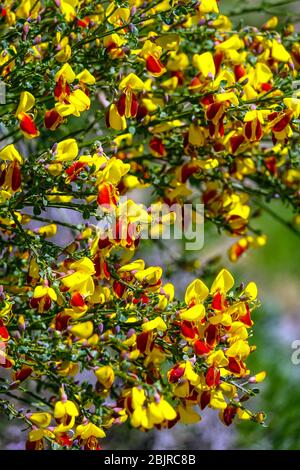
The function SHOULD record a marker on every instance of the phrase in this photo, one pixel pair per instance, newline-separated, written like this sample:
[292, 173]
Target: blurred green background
[276, 269]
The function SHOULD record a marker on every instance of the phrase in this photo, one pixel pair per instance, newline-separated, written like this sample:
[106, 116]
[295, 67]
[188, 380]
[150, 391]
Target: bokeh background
[276, 270]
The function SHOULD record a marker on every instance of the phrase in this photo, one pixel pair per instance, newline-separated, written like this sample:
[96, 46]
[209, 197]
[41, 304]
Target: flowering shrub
[103, 98]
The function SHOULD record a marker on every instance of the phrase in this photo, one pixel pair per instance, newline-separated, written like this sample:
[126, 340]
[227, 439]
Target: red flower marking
[239, 72]
[176, 373]
[77, 300]
[212, 377]
[229, 414]
[188, 330]
[201, 348]
[154, 65]
[205, 399]
[27, 125]
[4, 335]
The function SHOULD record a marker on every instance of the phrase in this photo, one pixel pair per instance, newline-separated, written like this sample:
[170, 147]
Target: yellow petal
[59, 409]
[52, 294]
[40, 291]
[205, 64]
[105, 376]
[83, 330]
[80, 101]
[66, 150]
[47, 230]
[66, 72]
[195, 313]
[86, 77]
[240, 349]
[132, 81]
[71, 408]
[279, 52]
[138, 397]
[150, 275]
[251, 291]
[196, 292]
[188, 415]
[116, 121]
[244, 414]
[10, 153]
[137, 265]
[222, 319]
[41, 419]
[217, 400]
[260, 377]
[222, 283]
[27, 101]
[87, 430]
[217, 359]
[234, 42]
[84, 265]
[157, 324]
[168, 411]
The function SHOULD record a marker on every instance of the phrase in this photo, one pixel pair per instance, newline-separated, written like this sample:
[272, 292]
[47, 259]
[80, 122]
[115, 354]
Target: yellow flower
[66, 150]
[105, 376]
[195, 313]
[84, 431]
[68, 8]
[114, 119]
[208, 6]
[205, 64]
[42, 298]
[149, 276]
[85, 77]
[161, 411]
[10, 153]
[222, 283]
[196, 292]
[187, 414]
[279, 52]
[81, 280]
[47, 230]
[28, 8]
[26, 103]
[65, 413]
[133, 82]
[83, 330]
[156, 324]
[42, 419]
[240, 350]
[217, 359]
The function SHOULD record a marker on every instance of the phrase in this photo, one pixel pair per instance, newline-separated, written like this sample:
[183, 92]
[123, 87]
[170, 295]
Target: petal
[196, 292]
[196, 313]
[27, 101]
[84, 265]
[86, 77]
[223, 282]
[83, 330]
[168, 411]
[71, 408]
[41, 419]
[251, 291]
[66, 150]
[157, 324]
[133, 82]
[10, 153]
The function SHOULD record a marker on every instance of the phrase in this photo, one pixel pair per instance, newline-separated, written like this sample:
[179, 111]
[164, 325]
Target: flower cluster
[104, 101]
